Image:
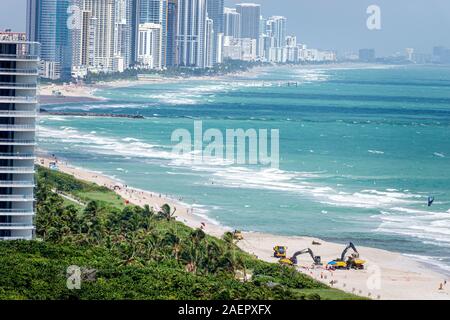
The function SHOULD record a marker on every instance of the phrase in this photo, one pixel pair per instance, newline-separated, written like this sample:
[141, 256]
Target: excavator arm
[316, 259]
[350, 246]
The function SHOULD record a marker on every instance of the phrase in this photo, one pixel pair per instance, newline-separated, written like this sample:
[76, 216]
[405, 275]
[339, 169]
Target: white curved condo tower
[18, 106]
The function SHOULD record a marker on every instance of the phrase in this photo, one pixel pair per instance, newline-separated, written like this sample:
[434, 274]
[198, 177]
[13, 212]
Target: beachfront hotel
[191, 36]
[19, 61]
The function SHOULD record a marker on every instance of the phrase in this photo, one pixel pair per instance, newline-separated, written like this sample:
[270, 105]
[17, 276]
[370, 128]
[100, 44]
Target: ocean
[361, 150]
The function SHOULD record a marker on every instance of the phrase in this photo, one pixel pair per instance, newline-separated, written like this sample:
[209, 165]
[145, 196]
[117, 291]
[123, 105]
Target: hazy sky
[334, 24]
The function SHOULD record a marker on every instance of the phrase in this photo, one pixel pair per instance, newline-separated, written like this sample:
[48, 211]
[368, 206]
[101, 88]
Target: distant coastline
[91, 114]
[71, 93]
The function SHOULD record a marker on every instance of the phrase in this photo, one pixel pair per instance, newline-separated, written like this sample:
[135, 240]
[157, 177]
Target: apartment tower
[191, 36]
[19, 62]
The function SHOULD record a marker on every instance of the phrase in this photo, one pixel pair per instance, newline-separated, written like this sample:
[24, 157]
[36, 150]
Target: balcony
[17, 198]
[15, 238]
[19, 72]
[16, 212]
[17, 170]
[17, 113]
[18, 57]
[16, 184]
[17, 127]
[17, 156]
[17, 142]
[16, 226]
[15, 86]
[18, 99]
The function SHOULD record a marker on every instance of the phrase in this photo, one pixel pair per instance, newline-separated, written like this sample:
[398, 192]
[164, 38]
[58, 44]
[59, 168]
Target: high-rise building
[155, 11]
[172, 29]
[441, 54]
[215, 9]
[250, 19]
[105, 38]
[291, 41]
[367, 55]
[124, 32]
[265, 43]
[134, 29]
[149, 46]
[191, 33]
[409, 54]
[232, 23]
[239, 49]
[82, 41]
[262, 25]
[98, 27]
[19, 62]
[47, 24]
[220, 39]
[209, 44]
[276, 28]
[121, 36]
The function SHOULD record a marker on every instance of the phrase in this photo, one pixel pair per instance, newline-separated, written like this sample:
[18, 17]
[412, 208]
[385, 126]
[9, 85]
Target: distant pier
[282, 84]
[92, 114]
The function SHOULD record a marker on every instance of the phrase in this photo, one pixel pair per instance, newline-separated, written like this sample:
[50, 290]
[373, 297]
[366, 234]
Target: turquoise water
[361, 149]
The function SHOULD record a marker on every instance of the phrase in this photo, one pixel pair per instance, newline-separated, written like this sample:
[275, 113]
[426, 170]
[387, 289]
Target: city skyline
[335, 25]
[83, 37]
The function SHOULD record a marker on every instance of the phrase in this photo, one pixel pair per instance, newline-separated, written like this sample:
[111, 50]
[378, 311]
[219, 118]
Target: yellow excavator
[237, 235]
[293, 260]
[279, 251]
[352, 262]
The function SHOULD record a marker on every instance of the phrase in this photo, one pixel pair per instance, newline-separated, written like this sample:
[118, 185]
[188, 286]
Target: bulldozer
[279, 251]
[293, 260]
[353, 261]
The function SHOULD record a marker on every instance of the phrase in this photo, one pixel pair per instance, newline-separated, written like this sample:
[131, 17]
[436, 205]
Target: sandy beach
[67, 93]
[387, 275]
[83, 93]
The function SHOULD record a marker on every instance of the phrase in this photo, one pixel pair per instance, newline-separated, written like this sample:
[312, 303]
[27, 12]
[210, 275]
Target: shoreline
[52, 94]
[387, 276]
[83, 93]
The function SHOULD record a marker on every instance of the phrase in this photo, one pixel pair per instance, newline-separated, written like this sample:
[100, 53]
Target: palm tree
[229, 239]
[152, 244]
[174, 242]
[92, 223]
[194, 250]
[214, 253]
[231, 261]
[166, 213]
[148, 212]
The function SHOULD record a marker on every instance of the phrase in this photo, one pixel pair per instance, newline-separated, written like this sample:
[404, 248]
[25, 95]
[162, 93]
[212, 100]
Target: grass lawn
[330, 294]
[105, 197]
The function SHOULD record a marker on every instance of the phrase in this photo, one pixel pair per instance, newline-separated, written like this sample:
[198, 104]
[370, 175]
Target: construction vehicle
[293, 260]
[237, 235]
[352, 262]
[279, 251]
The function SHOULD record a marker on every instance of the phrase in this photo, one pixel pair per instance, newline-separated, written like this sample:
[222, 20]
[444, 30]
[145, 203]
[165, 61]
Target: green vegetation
[228, 67]
[128, 252]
